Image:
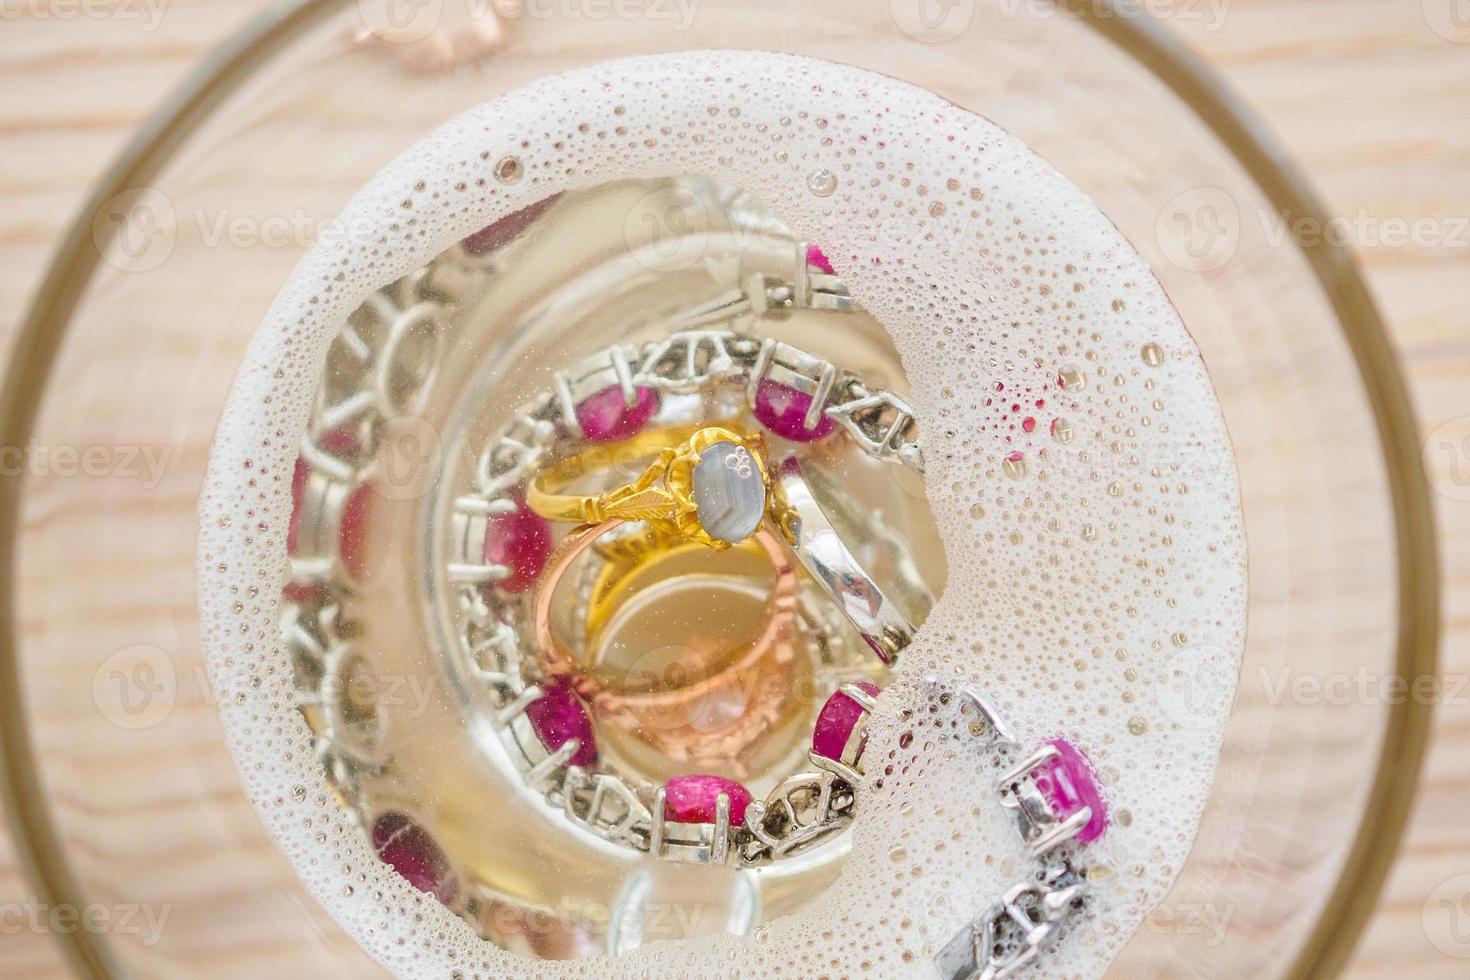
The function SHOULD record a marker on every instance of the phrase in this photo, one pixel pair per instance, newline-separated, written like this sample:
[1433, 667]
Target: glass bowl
[120, 785]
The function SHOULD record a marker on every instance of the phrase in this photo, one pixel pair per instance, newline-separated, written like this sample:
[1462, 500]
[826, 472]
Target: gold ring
[712, 488]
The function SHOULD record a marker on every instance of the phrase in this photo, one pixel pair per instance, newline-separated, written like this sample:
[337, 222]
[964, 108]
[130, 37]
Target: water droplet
[1137, 725]
[1072, 379]
[1153, 354]
[1014, 466]
[821, 182]
[508, 169]
[1061, 430]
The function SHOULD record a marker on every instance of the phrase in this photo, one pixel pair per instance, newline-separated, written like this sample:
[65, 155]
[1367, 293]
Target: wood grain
[1366, 94]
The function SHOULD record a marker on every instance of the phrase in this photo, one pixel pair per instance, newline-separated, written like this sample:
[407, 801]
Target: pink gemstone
[557, 716]
[411, 851]
[521, 541]
[693, 799]
[816, 257]
[605, 417]
[1069, 783]
[354, 528]
[835, 722]
[782, 409]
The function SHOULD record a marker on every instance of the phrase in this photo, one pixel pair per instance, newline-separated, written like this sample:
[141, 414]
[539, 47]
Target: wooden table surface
[1370, 97]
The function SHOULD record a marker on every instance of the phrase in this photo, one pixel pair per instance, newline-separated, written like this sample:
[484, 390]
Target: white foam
[1072, 589]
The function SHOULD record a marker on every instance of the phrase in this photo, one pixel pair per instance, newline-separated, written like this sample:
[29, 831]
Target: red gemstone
[299, 476]
[693, 799]
[521, 541]
[605, 417]
[557, 716]
[354, 528]
[782, 409]
[301, 592]
[340, 441]
[1069, 783]
[507, 229]
[411, 851]
[836, 721]
[817, 258]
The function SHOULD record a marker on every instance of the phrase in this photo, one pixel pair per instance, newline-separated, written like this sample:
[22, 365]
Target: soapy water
[1076, 464]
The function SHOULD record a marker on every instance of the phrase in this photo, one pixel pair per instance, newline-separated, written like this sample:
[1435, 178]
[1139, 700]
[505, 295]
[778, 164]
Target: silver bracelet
[1059, 808]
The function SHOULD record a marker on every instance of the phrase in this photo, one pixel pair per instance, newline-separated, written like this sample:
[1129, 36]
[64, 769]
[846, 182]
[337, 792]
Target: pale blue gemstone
[728, 492]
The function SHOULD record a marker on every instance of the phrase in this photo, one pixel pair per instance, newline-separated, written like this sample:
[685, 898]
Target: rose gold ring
[668, 719]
